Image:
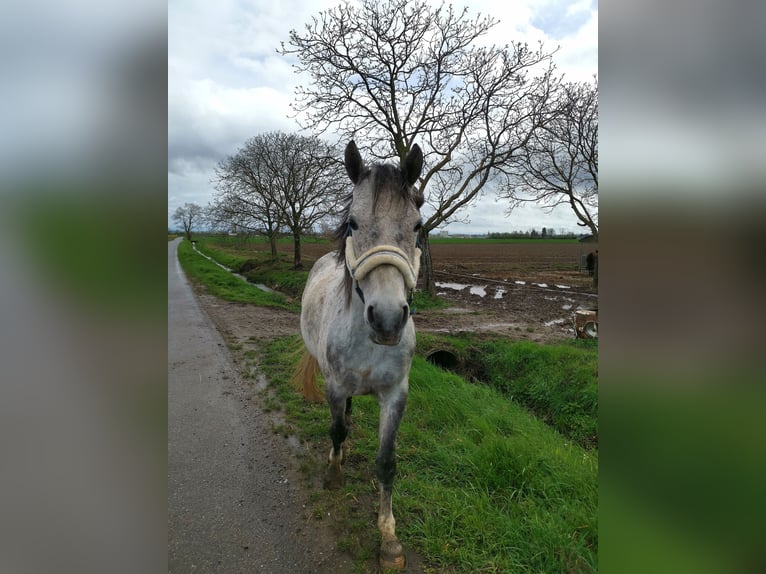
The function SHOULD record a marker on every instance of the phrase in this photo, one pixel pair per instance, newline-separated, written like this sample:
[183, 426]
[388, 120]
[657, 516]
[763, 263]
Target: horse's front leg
[391, 411]
[338, 432]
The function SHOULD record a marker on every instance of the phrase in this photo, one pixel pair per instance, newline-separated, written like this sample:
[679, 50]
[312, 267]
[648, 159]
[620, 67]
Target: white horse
[355, 319]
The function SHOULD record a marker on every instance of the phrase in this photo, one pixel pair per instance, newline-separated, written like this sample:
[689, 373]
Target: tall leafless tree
[559, 164]
[399, 72]
[188, 216]
[246, 199]
[280, 181]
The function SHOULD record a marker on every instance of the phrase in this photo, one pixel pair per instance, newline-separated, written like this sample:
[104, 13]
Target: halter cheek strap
[360, 267]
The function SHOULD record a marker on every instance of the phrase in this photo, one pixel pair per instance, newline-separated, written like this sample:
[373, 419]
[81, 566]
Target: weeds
[482, 485]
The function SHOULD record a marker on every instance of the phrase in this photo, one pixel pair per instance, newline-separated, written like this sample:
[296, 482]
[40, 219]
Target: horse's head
[379, 240]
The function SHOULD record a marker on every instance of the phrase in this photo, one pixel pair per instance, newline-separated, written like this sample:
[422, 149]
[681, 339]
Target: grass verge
[224, 257]
[482, 485]
[558, 383]
[257, 266]
[223, 284]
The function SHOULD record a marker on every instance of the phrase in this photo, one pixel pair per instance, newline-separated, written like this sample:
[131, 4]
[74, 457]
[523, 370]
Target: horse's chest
[368, 367]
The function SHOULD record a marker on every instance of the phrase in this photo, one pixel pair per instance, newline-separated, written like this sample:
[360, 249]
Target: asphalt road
[231, 505]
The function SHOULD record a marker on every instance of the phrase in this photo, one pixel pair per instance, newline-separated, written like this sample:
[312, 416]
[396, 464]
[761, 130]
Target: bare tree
[280, 181]
[400, 72]
[246, 199]
[187, 216]
[213, 220]
[559, 165]
[312, 181]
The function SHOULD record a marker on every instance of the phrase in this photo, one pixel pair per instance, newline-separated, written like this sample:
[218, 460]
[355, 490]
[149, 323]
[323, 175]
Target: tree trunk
[429, 284]
[273, 246]
[595, 270]
[297, 251]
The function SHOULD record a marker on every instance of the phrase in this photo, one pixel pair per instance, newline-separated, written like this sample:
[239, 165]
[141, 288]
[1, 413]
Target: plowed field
[527, 290]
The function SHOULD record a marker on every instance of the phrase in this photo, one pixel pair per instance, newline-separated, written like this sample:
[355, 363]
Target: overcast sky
[226, 83]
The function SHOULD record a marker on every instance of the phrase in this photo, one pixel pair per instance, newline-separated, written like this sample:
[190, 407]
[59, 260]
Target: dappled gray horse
[356, 320]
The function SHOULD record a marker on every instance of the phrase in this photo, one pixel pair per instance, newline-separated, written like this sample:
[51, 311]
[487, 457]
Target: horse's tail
[305, 377]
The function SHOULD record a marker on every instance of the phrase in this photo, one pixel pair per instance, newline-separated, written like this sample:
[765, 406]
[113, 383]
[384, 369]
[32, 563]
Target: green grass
[224, 257]
[223, 284]
[482, 485]
[278, 275]
[558, 383]
[257, 266]
[421, 301]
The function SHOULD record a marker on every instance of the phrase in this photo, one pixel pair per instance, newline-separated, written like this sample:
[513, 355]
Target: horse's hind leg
[338, 433]
[391, 411]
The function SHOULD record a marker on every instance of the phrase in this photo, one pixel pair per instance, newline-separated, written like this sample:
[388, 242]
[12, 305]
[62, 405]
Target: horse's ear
[354, 163]
[413, 165]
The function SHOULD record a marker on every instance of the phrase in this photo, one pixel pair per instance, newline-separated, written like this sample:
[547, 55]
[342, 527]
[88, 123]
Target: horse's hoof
[392, 556]
[333, 477]
[397, 563]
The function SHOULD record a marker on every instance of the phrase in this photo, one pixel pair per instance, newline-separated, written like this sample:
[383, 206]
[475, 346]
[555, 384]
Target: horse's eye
[418, 226]
[353, 224]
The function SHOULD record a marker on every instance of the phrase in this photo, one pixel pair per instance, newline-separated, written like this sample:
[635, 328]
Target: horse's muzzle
[388, 342]
[387, 325]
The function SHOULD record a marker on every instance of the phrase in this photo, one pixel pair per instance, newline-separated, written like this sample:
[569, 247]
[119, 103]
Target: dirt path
[234, 502]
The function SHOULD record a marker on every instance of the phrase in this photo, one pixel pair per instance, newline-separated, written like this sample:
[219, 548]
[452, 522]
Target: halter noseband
[360, 267]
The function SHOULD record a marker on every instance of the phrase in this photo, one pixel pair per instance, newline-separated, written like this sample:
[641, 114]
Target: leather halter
[360, 267]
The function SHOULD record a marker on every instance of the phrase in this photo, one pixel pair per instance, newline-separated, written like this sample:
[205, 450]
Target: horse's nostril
[370, 315]
[405, 313]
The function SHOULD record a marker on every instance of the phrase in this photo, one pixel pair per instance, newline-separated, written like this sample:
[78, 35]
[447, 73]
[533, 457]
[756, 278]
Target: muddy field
[526, 291]
[523, 290]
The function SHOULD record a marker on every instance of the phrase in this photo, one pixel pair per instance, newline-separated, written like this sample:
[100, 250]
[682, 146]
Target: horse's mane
[388, 178]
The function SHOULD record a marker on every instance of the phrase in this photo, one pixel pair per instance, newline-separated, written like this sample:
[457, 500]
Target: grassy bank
[482, 485]
[223, 284]
[257, 266]
[558, 383]
[223, 256]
